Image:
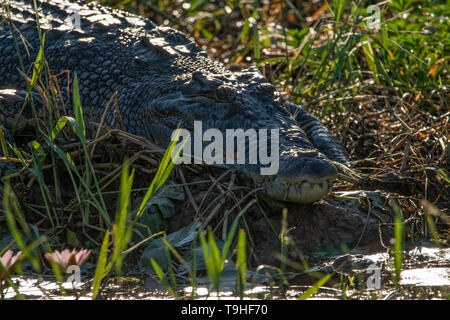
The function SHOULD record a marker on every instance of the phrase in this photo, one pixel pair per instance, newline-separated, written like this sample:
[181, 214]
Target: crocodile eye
[225, 93]
[138, 61]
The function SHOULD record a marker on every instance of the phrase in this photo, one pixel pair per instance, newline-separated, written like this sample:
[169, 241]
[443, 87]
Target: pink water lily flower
[68, 258]
[8, 260]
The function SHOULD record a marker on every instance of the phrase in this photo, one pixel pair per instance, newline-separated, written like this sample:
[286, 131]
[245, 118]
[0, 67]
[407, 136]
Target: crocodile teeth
[303, 192]
[286, 194]
[306, 192]
[294, 192]
[306, 187]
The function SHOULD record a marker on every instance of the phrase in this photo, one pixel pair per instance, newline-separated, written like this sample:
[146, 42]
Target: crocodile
[163, 81]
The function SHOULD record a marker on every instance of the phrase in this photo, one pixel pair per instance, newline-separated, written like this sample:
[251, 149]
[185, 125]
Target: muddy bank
[326, 223]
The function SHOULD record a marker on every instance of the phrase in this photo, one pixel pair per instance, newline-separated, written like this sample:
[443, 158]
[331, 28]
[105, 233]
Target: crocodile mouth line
[301, 192]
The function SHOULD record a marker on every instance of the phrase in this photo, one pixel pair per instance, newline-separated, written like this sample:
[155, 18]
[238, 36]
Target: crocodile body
[163, 80]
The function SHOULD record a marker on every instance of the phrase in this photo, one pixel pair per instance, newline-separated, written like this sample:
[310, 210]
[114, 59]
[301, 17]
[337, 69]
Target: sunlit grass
[318, 63]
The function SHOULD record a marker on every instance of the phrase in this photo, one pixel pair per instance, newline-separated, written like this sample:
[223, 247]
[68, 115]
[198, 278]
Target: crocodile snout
[300, 179]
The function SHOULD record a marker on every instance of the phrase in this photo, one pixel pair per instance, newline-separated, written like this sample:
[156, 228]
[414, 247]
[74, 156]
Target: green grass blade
[70, 164]
[10, 220]
[3, 143]
[60, 125]
[233, 229]
[214, 252]
[211, 266]
[80, 128]
[38, 63]
[163, 278]
[311, 291]
[192, 275]
[339, 6]
[443, 175]
[13, 213]
[256, 50]
[100, 270]
[164, 170]
[241, 264]
[398, 245]
[122, 232]
[370, 58]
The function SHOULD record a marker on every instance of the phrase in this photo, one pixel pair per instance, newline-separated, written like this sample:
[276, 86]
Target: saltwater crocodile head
[298, 171]
[164, 81]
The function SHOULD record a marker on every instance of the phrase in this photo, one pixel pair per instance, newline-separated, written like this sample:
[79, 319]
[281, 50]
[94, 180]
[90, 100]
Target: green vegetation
[340, 50]
[334, 58]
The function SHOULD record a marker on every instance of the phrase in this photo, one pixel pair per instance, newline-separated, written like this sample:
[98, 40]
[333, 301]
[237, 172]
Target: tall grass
[398, 241]
[241, 264]
[322, 63]
[215, 259]
[88, 191]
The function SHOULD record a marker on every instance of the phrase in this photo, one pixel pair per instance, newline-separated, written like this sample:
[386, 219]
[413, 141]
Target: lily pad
[159, 208]
[156, 249]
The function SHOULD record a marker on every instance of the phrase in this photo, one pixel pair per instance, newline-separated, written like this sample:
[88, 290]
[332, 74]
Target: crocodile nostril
[221, 94]
[225, 93]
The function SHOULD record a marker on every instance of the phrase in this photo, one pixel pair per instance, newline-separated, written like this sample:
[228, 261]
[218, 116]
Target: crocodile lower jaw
[302, 192]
